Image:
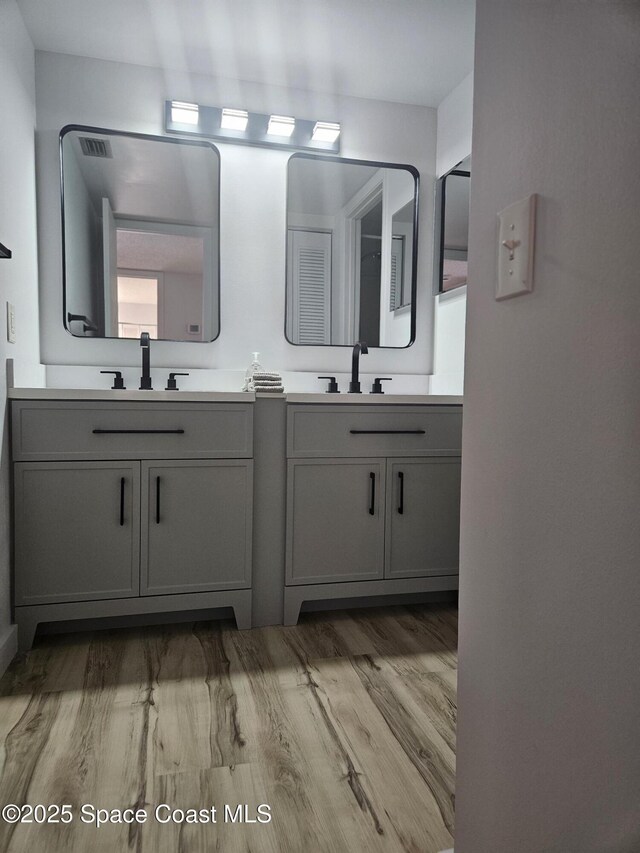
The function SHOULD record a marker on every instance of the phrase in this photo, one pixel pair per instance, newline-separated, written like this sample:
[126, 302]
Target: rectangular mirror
[140, 229]
[454, 222]
[351, 252]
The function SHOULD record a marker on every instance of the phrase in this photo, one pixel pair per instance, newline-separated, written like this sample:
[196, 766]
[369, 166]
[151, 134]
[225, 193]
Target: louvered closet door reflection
[397, 260]
[311, 291]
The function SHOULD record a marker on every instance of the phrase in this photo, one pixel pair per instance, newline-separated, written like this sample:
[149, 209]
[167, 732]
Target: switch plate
[516, 235]
[11, 323]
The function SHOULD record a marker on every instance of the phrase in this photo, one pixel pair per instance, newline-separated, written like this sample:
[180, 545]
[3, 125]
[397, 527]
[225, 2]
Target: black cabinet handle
[138, 432]
[121, 501]
[372, 503]
[387, 431]
[157, 500]
[400, 492]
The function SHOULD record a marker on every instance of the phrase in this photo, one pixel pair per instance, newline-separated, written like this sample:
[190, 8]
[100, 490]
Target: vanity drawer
[136, 430]
[330, 431]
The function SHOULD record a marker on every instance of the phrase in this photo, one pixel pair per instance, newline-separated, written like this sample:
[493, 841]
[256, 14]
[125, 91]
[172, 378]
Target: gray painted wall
[18, 276]
[549, 730]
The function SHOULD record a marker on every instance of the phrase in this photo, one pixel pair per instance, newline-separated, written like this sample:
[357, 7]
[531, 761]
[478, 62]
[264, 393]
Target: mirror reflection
[351, 252]
[140, 235]
[455, 188]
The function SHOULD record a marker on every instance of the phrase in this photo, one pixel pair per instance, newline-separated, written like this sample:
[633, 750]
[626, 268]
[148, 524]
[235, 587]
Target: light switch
[515, 248]
[11, 323]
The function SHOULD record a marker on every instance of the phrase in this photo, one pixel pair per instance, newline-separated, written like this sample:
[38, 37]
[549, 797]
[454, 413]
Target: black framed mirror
[140, 235]
[352, 254]
[453, 193]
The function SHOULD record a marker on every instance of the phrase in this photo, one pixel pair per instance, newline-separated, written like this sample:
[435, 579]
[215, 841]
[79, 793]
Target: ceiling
[149, 178]
[410, 51]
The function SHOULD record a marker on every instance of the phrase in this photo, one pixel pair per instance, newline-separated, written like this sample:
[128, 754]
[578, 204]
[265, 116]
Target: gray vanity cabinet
[423, 517]
[335, 520]
[128, 507]
[77, 531]
[196, 526]
[373, 501]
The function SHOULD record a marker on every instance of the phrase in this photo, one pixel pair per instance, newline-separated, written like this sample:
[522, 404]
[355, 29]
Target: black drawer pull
[157, 500]
[387, 431]
[121, 501]
[138, 431]
[401, 493]
[372, 503]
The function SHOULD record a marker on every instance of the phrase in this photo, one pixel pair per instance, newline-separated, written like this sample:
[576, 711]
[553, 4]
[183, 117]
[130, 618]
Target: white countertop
[231, 397]
[132, 395]
[377, 399]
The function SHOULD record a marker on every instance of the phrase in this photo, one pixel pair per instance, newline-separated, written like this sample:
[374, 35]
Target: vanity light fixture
[234, 119]
[325, 131]
[281, 125]
[241, 127]
[184, 112]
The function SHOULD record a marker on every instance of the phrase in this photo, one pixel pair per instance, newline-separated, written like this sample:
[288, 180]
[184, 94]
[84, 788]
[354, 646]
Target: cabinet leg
[242, 612]
[27, 626]
[292, 603]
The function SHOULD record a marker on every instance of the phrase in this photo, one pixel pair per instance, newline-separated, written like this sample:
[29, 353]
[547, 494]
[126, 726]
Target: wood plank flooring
[344, 725]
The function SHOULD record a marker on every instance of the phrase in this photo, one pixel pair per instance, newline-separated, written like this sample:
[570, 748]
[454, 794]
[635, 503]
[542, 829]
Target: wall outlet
[11, 323]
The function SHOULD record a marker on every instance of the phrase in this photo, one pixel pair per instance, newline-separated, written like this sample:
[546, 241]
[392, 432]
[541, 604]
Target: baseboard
[8, 647]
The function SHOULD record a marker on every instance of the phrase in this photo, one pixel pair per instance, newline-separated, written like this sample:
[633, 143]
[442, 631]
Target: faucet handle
[172, 384]
[118, 381]
[333, 385]
[376, 388]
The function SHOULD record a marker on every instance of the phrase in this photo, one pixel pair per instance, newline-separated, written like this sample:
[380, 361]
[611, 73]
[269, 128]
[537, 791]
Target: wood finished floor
[344, 725]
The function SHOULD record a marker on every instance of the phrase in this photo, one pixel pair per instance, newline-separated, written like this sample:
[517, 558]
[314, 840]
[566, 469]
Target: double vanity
[129, 503]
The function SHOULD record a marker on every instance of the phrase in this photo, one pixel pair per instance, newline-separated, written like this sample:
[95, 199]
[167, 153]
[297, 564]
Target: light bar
[281, 125]
[183, 112]
[240, 127]
[325, 131]
[234, 119]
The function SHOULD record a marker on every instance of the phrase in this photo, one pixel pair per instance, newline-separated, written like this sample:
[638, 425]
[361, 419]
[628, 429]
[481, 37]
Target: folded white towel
[266, 375]
[267, 382]
[271, 389]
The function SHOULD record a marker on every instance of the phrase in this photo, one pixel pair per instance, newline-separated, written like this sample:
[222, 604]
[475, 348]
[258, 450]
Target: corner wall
[19, 275]
[549, 682]
[455, 116]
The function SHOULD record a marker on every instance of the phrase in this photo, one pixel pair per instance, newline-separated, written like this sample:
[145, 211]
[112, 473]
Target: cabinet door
[196, 525]
[423, 517]
[77, 531]
[335, 520]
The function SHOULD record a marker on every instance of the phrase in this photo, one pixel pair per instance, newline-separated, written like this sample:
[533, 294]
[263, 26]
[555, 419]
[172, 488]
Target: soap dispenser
[254, 367]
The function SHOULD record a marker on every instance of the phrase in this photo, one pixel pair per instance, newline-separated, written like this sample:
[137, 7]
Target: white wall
[397, 191]
[549, 688]
[253, 202]
[455, 115]
[182, 303]
[449, 332]
[455, 118]
[82, 227]
[18, 276]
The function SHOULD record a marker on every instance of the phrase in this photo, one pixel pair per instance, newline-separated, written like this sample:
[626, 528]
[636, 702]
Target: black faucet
[354, 385]
[145, 379]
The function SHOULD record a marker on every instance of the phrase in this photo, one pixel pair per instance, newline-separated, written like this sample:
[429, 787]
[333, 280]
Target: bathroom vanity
[373, 498]
[130, 503]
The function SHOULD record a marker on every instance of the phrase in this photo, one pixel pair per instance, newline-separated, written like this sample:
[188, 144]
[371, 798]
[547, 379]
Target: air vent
[92, 147]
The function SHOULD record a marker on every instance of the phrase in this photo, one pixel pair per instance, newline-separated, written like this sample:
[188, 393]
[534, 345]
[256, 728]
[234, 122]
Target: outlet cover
[516, 236]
